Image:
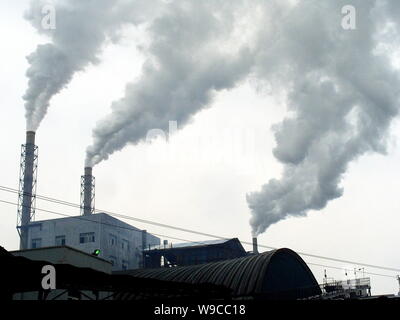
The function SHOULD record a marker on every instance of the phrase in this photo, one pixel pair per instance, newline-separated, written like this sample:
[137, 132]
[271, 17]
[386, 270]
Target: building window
[124, 265]
[125, 244]
[36, 243]
[113, 240]
[86, 237]
[113, 261]
[60, 240]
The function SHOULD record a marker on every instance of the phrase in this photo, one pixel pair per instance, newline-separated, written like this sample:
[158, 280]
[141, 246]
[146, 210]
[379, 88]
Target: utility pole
[398, 279]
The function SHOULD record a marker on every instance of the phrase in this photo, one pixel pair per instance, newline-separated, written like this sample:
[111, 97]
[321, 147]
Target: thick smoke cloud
[342, 91]
[81, 29]
[342, 96]
[194, 52]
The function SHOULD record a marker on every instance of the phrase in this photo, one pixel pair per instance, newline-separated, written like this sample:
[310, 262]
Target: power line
[102, 222]
[122, 216]
[58, 201]
[169, 237]
[342, 269]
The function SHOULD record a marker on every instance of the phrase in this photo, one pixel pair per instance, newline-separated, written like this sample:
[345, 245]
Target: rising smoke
[81, 29]
[196, 49]
[342, 96]
[342, 91]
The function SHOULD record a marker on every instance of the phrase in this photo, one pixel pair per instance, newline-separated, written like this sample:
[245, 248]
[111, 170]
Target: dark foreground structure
[21, 278]
[277, 274]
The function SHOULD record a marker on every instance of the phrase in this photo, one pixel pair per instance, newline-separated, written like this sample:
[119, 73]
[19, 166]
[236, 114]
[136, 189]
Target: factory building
[190, 253]
[118, 242]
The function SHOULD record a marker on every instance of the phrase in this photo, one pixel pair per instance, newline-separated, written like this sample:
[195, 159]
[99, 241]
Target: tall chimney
[87, 192]
[255, 245]
[27, 187]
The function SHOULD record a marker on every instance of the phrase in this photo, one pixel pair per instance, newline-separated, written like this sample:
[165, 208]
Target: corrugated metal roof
[245, 276]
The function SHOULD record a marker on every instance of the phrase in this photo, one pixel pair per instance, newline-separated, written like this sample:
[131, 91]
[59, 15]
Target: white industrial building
[118, 242]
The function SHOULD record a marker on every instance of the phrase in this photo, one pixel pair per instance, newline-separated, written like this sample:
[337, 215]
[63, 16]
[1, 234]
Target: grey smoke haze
[342, 93]
[82, 28]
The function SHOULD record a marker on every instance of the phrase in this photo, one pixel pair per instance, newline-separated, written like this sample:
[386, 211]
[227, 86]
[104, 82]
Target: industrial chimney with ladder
[27, 187]
[87, 192]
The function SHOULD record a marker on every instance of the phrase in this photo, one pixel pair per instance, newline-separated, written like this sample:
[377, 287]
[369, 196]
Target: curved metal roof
[246, 276]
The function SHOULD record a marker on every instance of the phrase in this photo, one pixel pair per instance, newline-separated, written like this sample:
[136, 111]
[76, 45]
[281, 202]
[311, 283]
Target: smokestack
[255, 245]
[30, 137]
[27, 187]
[87, 192]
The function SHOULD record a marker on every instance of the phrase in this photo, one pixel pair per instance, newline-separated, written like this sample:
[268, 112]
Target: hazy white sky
[200, 179]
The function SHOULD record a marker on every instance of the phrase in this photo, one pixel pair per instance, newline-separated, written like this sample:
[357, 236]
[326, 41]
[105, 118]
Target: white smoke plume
[342, 95]
[80, 30]
[342, 91]
[196, 50]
